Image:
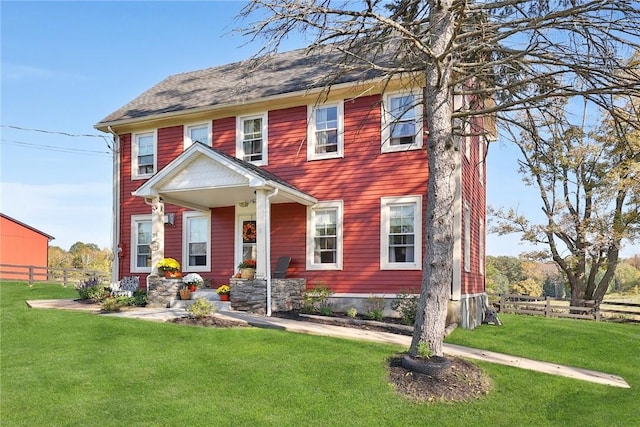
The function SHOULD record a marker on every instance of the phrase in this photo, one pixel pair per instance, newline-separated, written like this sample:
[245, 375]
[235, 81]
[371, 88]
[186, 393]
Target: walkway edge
[538, 366]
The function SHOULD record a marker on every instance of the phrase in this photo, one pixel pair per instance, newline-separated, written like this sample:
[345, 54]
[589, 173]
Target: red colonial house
[22, 245]
[223, 164]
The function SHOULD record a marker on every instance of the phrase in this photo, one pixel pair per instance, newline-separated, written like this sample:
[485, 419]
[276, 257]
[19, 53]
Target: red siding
[21, 245]
[222, 229]
[359, 179]
[473, 193]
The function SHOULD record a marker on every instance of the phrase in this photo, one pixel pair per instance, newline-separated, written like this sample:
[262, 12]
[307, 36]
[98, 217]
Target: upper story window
[196, 241]
[143, 155]
[325, 132]
[251, 141]
[401, 122]
[200, 132]
[141, 243]
[401, 233]
[324, 236]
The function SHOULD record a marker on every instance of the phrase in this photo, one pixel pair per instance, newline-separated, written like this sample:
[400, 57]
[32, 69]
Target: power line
[59, 149]
[103, 137]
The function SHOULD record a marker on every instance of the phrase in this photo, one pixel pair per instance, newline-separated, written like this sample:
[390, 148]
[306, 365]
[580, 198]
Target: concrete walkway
[164, 314]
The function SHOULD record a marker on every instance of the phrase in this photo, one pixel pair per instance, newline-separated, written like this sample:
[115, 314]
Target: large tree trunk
[438, 255]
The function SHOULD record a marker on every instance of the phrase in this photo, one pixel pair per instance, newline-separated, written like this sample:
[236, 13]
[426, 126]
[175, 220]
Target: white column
[262, 214]
[157, 232]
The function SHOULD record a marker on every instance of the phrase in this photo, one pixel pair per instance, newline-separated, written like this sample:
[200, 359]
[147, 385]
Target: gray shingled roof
[240, 82]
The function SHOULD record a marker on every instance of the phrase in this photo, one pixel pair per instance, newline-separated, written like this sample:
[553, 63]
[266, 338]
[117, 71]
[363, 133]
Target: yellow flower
[168, 264]
[223, 290]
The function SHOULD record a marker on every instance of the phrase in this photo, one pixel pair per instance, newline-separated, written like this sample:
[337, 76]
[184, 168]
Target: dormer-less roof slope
[7, 217]
[237, 83]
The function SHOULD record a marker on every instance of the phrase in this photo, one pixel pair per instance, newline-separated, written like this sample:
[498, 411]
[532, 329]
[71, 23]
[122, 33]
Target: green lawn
[80, 369]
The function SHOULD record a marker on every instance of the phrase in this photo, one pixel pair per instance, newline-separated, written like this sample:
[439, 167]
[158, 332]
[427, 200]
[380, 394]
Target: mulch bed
[464, 381]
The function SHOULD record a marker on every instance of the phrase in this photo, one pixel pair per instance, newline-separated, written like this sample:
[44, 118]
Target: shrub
[139, 298]
[352, 312]
[326, 310]
[316, 299]
[112, 304]
[92, 290]
[201, 308]
[374, 307]
[407, 305]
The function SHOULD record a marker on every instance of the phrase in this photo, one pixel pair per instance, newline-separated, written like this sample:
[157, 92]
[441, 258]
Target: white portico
[202, 178]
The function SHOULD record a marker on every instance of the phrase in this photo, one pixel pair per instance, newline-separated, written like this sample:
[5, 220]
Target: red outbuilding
[23, 245]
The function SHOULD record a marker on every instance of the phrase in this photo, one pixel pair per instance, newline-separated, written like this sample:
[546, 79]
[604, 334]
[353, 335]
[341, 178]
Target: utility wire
[104, 138]
[60, 149]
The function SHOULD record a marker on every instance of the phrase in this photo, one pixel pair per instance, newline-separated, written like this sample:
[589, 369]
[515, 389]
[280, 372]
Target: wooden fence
[66, 276]
[554, 307]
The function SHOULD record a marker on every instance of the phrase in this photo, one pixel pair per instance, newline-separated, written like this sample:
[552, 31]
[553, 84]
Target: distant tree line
[523, 276]
[85, 256]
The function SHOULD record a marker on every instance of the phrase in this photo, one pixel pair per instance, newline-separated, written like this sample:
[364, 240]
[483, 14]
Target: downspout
[115, 206]
[268, 248]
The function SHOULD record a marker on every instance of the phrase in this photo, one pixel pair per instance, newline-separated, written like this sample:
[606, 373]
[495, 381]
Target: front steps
[208, 294]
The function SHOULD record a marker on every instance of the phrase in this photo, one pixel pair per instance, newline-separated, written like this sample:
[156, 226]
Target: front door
[246, 247]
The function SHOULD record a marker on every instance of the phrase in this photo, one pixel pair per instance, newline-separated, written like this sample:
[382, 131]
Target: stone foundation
[162, 292]
[251, 295]
[468, 312]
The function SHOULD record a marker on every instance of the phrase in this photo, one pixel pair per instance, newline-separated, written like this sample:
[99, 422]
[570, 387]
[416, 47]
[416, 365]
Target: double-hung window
[401, 233]
[324, 236]
[325, 134]
[200, 132]
[401, 122]
[143, 155]
[251, 141]
[196, 240]
[141, 238]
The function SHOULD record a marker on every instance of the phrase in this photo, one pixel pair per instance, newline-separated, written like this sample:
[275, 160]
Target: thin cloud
[68, 212]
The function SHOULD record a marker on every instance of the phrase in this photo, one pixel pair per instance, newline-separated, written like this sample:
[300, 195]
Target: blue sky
[67, 65]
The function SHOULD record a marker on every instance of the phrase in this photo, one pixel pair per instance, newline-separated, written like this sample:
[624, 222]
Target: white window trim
[185, 243]
[240, 135]
[385, 203]
[133, 253]
[311, 132]
[386, 124]
[467, 237]
[134, 154]
[187, 142]
[481, 238]
[338, 205]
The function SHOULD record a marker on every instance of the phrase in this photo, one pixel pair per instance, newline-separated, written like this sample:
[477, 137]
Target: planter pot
[247, 273]
[172, 274]
[193, 288]
[224, 297]
[435, 366]
[185, 294]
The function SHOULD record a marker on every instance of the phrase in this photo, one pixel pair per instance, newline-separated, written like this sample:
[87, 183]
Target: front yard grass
[81, 369]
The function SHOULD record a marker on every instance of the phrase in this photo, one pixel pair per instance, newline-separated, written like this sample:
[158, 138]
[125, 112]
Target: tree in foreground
[503, 57]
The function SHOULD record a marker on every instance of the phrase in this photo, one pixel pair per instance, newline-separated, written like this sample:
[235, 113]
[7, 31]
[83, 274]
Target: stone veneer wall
[161, 292]
[251, 295]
